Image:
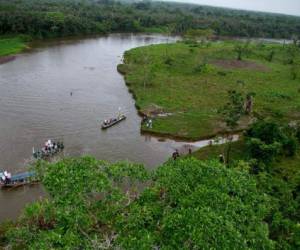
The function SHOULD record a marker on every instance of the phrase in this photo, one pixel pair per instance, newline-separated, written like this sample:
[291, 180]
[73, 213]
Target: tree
[197, 205]
[83, 201]
[241, 49]
[195, 34]
[232, 112]
[267, 139]
[270, 56]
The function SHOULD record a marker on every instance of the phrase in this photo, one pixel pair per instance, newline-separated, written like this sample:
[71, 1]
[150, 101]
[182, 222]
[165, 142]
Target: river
[36, 104]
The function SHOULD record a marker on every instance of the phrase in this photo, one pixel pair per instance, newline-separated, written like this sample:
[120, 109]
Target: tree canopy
[185, 204]
[54, 18]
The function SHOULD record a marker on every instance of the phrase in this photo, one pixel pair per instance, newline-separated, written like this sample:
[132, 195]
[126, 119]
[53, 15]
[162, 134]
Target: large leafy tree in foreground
[188, 204]
[197, 205]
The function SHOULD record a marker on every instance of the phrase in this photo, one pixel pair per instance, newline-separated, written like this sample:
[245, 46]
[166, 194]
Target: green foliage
[267, 139]
[270, 56]
[84, 200]
[279, 179]
[189, 74]
[199, 34]
[197, 205]
[12, 45]
[262, 151]
[188, 204]
[242, 49]
[234, 109]
[55, 18]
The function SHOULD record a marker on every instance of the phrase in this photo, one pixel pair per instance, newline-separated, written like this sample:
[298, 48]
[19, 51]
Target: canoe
[19, 180]
[113, 122]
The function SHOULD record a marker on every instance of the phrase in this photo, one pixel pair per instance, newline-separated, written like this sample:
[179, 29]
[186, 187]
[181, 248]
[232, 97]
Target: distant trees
[202, 34]
[46, 18]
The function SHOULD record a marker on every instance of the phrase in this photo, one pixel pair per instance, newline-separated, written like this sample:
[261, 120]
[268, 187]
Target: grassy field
[190, 81]
[11, 45]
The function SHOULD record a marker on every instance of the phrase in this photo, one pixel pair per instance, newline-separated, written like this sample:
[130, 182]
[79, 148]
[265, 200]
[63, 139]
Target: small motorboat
[17, 180]
[113, 121]
[50, 149]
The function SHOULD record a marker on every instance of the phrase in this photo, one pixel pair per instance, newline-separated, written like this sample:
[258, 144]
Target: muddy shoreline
[5, 59]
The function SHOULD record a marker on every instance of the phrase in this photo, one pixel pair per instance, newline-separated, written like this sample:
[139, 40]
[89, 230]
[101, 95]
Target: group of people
[147, 121]
[50, 146]
[6, 177]
[109, 121]
[48, 149]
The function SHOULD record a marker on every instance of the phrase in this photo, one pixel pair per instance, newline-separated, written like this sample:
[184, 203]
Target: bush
[290, 146]
[266, 140]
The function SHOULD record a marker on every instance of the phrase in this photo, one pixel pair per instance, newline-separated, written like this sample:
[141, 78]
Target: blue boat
[17, 180]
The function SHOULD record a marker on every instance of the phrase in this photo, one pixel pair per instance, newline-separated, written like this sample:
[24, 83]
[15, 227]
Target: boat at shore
[17, 180]
[113, 121]
[50, 149]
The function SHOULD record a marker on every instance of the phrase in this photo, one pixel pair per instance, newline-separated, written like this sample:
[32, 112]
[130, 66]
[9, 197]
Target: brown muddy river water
[35, 104]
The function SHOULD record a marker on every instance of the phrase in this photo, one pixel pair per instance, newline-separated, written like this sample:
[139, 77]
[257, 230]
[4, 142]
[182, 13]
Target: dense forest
[182, 209]
[54, 18]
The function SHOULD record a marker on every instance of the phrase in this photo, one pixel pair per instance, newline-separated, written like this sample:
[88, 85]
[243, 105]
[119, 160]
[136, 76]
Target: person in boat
[7, 177]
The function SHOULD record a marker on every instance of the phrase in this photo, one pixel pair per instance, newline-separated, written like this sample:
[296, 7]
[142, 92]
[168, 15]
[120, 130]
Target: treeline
[54, 18]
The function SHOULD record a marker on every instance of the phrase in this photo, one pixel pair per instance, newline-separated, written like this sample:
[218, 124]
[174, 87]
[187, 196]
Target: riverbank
[184, 85]
[9, 46]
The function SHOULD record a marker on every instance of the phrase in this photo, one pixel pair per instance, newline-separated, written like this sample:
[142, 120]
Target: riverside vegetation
[186, 204]
[251, 202]
[188, 83]
[12, 45]
[59, 18]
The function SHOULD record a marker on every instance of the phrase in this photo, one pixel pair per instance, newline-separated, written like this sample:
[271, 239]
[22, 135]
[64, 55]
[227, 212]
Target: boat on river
[17, 180]
[113, 121]
[50, 149]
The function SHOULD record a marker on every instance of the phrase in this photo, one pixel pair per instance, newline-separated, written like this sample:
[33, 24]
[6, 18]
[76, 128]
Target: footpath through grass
[11, 45]
[187, 83]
